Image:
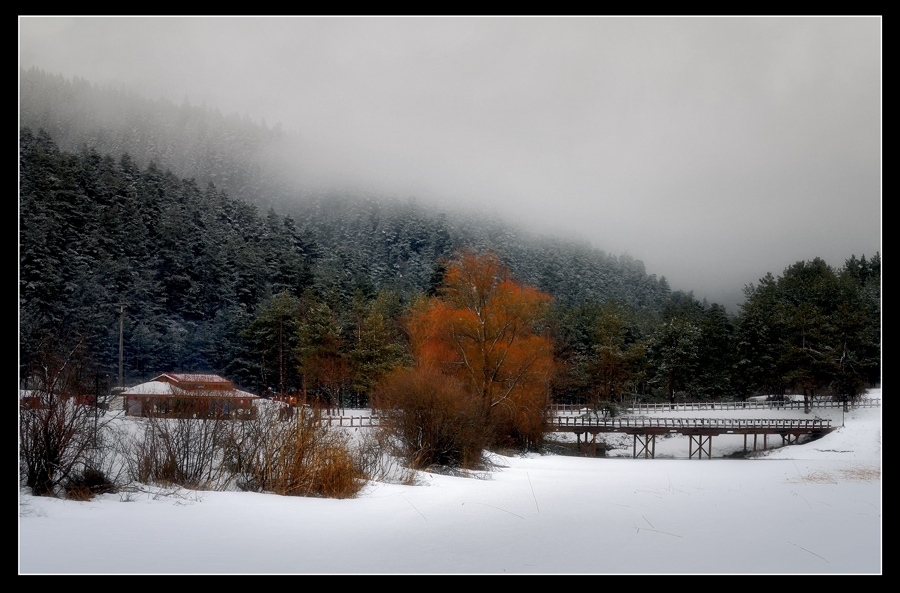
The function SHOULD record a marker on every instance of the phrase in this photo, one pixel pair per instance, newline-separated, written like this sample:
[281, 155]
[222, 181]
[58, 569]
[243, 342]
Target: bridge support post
[704, 445]
[789, 439]
[648, 446]
[745, 442]
[589, 447]
[755, 441]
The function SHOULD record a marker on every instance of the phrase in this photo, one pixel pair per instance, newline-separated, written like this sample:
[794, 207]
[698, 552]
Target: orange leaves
[484, 329]
[427, 327]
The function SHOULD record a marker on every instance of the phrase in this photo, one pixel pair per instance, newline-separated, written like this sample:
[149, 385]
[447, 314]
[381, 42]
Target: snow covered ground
[802, 509]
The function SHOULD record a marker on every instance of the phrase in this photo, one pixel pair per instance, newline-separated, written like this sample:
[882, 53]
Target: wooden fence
[361, 421]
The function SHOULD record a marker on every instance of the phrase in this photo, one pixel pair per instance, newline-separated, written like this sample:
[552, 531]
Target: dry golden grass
[296, 457]
[79, 493]
[861, 474]
[820, 477]
[849, 474]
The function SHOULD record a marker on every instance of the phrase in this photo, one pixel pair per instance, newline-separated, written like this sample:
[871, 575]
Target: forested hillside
[168, 220]
[98, 235]
[368, 242]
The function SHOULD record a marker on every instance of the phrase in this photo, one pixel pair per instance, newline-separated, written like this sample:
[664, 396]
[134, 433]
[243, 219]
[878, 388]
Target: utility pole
[121, 342]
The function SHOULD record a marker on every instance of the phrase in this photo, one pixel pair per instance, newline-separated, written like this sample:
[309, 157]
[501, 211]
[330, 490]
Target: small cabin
[179, 395]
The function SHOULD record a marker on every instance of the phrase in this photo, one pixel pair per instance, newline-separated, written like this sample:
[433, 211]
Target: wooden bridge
[646, 429]
[700, 430]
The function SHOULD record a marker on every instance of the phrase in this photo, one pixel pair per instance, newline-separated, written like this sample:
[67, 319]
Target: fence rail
[361, 421]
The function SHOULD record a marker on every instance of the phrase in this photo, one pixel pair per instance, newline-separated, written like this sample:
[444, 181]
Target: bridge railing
[589, 420]
[735, 405]
[683, 423]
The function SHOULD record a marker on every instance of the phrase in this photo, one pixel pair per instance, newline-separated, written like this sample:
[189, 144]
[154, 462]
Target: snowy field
[811, 508]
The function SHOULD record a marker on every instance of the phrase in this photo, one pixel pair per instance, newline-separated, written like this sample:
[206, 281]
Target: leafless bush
[60, 430]
[268, 451]
[295, 456]
[431, 419]
[101, 470]
[186, 452]
[53, 437]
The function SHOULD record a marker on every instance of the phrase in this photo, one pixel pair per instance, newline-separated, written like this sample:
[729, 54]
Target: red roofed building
[187, 395]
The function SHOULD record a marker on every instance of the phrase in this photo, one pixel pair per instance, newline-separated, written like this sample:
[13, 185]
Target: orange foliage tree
[485, 329]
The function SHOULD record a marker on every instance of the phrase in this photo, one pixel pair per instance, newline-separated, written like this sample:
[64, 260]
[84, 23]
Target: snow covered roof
[162, 388]
[151, 388]
[192, 378]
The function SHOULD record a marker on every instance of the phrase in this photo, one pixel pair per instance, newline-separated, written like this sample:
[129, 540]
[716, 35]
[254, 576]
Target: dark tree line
[814, 330]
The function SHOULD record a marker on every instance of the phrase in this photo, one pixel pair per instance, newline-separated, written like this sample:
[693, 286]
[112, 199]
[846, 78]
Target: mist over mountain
[367, 237]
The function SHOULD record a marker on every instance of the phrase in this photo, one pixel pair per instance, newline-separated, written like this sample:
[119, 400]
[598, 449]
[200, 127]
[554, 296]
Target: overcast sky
[712, 149]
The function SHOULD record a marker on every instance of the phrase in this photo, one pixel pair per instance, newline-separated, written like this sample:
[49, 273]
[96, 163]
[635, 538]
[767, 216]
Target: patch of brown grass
[820, 477]
[849, 474]
[79, 492]
[861, 474]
